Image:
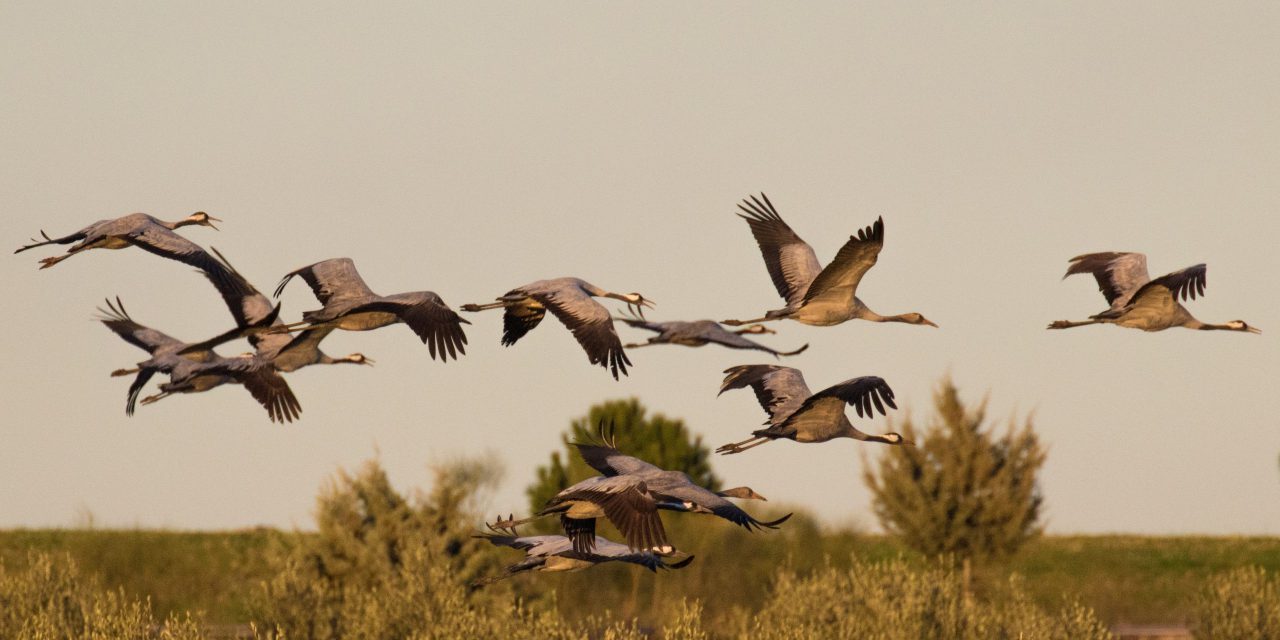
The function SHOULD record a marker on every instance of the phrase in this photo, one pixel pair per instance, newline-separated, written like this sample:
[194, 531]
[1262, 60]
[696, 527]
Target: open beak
[639, 307]
[212, 220]
[1254, 330]
[369, 361]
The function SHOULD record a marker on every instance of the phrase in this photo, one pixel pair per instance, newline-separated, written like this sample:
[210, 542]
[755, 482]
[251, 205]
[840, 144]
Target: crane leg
[45, 263]
[289, 328]
[738, 323]
[483, 307]
[156, 398]
[738, 447]
[1067, 324]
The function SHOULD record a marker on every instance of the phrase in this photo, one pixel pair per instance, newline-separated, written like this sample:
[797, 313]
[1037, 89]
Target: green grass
[1123, 578]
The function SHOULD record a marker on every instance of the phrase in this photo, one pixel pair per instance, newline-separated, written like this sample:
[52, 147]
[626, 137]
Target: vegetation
[391, 564]
[1243, 604]
[51, 599]
[959, 492]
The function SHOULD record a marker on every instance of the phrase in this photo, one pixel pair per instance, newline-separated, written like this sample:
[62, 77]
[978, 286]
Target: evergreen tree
[960, 491]
[657, 439]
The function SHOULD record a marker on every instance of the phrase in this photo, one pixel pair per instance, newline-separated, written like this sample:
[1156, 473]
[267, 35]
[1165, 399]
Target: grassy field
[1124, 578]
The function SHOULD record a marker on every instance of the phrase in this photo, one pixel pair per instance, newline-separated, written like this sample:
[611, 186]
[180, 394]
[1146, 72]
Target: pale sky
[470, 148]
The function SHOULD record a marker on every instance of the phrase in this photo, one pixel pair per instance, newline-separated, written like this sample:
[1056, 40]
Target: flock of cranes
[629, 492]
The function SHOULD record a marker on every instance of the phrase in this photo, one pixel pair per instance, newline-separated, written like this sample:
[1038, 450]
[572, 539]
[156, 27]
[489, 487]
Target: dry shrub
[891, 601]
[50, 599]
[1242, 604]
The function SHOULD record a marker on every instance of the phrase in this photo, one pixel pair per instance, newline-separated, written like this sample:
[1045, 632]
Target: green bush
[1242, 604]
[50, 599]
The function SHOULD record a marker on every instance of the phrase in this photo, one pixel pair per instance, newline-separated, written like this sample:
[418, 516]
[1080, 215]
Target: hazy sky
[471, 148]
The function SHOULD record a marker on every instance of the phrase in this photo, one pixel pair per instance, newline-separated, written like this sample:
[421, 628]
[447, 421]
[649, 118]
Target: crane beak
[209, 220]
[1254, 330]
[928, 322]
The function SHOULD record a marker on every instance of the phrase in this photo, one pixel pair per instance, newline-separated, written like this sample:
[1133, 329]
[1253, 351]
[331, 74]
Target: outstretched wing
[611, 462]
[1119, 273]
[334, 279]
[867, 395]
[841, 277]
[1159, 297]
[626, 502]
[717, 505]
[780, 390]
[163, 242]
[591, 326]
[262, 381]
[791, 262]
[117, 319]
[439, 327]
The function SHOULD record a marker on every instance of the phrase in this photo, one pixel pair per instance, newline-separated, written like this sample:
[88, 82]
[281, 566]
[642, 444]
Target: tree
[960, 492]
[660, 440]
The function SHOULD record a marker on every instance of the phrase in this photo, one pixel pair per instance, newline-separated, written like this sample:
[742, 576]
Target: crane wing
[1119, 273]
[262, 381]
[791, 262]
[627, 503]
[845, 271]
[438, 326]
[165, 243]
[334, 279]
[716, 504]
[611, 462]
[1159, 298]
[867, 395]
[780, 390]
[591, 325]
[117, 320]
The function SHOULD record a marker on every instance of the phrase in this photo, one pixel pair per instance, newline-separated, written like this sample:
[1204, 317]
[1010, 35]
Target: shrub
[50, 599]
[1242, 604]
[959, 492]
[891, 601]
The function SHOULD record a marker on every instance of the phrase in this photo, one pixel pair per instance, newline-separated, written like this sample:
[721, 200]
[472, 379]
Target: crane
[796, 414]
[815, 295]
[570, 299]
[1137, 301]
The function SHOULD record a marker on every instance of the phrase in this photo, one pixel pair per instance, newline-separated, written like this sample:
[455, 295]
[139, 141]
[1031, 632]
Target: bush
[890, 601]
[1242, 604]
[960, 492]
[50, 599]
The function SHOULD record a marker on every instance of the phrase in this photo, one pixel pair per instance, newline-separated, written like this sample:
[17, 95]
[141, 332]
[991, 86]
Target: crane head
[203, 219]
[742, 493]
[895, 438]
[1241, 325]
[638, 302]
[915, 318]
[360, 358]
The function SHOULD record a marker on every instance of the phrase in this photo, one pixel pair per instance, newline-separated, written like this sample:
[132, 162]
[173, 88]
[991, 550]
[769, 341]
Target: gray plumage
[673, 489]
[702, 332]
[135, 230]
[197, 371]
[556, 553]
[1138, 302]
[624, 500]
[796, 414]
[249, 307]
[350, 305]
[571, 300]
[815, 295]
